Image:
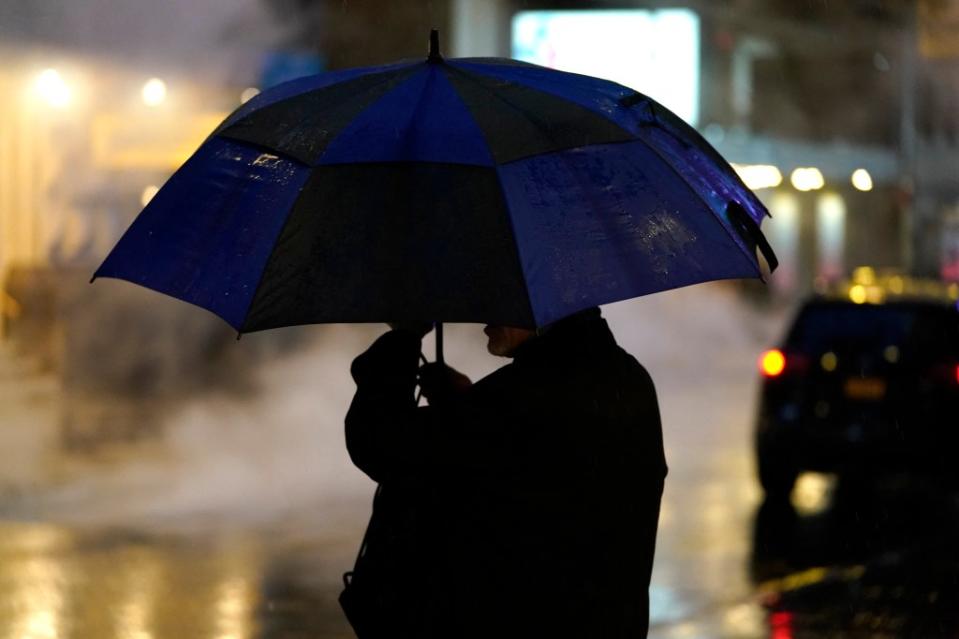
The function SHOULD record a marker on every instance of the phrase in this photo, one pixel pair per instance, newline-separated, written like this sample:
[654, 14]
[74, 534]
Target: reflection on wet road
[880, 558]
[59, 582]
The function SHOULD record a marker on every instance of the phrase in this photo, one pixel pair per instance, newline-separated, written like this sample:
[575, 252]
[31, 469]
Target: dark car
[866, 382]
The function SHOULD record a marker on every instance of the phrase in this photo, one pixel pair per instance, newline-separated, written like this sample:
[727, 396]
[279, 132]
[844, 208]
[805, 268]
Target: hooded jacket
[527, 506]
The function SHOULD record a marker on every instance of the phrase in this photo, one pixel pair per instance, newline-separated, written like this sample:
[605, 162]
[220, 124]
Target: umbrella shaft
[439, 342]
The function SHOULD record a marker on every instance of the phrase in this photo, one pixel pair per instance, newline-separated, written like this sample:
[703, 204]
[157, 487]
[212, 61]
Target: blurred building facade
[103, 100]
[860, 96]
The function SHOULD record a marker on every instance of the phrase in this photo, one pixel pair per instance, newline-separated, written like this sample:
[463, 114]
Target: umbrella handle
[439, 342]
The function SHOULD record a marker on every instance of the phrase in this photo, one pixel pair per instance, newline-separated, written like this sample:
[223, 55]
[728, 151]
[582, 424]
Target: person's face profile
[504, 340]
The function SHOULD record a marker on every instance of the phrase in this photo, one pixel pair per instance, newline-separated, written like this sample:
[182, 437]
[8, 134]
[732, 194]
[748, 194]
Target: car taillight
[772, 363]
[943, 373]
[781, 624]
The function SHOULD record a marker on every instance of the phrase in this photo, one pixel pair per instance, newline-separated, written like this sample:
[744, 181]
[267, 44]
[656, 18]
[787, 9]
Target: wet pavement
[66, 582]
[240, 521]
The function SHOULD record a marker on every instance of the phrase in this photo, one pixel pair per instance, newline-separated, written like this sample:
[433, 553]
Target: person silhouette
[523, 505]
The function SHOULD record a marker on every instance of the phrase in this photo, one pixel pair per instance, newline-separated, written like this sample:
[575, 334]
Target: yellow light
[891, 353]
[51, 87]
[759, 176]
[897, 285]
[807, 179]
[954, 291]
[862, 180]
[813, 492]
[829, 361]
[248, 94]
[864, 275]
[857, 294]
[772, 363]
[148, 193]
[154, 92]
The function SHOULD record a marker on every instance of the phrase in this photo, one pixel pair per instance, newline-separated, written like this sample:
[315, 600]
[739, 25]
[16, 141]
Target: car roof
[897, 302]
[868, 286]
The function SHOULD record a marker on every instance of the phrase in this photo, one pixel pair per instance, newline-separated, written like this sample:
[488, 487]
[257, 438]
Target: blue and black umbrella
[461, 190]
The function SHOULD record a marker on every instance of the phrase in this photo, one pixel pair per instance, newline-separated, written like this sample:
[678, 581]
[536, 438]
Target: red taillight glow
[781, 624]
[957, 373]
[772, 363]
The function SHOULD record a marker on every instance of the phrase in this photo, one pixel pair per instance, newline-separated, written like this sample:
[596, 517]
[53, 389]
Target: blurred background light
[784, 232]
[248, 94]
[772, 363]
[807, 179]
[857, 294]
[655, 52]
[891, 354]
[813, 492]
[154, 92]
[148, 193]
[864, 275]
[759, 176]
[52, 88]
[862, 180]
[829, 361]
[830, 236]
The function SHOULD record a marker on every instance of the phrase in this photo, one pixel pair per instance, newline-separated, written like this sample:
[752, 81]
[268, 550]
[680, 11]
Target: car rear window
[825, 326]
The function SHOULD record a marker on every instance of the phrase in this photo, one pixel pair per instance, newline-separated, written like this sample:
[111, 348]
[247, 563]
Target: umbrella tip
[434, 46]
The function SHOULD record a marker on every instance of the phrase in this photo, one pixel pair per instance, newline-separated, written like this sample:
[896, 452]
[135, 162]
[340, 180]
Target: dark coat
[527, 507]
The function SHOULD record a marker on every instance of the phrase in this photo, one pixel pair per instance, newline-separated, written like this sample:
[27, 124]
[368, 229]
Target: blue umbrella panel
[464, 190]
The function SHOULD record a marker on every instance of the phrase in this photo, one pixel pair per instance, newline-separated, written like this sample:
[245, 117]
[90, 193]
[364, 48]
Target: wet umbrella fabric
[465, 190]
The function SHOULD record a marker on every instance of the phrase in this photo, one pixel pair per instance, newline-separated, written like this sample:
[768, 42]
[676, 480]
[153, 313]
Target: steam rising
[277, 452]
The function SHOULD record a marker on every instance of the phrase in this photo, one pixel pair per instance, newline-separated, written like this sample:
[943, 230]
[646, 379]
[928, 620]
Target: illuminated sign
[653, 52]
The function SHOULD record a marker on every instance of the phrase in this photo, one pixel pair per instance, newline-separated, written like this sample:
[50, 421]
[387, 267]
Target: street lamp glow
[51, 87]
[248, 94]
[862, 180]
[807, 179]
[154, 92]
[759, 176]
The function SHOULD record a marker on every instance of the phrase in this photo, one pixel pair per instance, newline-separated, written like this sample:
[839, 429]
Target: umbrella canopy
[464, 190]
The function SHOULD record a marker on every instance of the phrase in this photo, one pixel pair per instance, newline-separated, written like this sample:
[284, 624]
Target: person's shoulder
[629, 369]
[503, 376]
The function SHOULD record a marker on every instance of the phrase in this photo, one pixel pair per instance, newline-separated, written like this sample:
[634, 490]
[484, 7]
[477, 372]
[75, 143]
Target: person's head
[504, 340]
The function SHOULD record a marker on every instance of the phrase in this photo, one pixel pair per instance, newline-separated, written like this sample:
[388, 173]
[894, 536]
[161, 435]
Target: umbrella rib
[269, 258]
[732, 234]
[358, 114]
[312, 119]
[516, 248]
[538, 124]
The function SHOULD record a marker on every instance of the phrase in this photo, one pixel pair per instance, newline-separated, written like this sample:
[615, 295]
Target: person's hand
[440, 383]
[420, 329]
